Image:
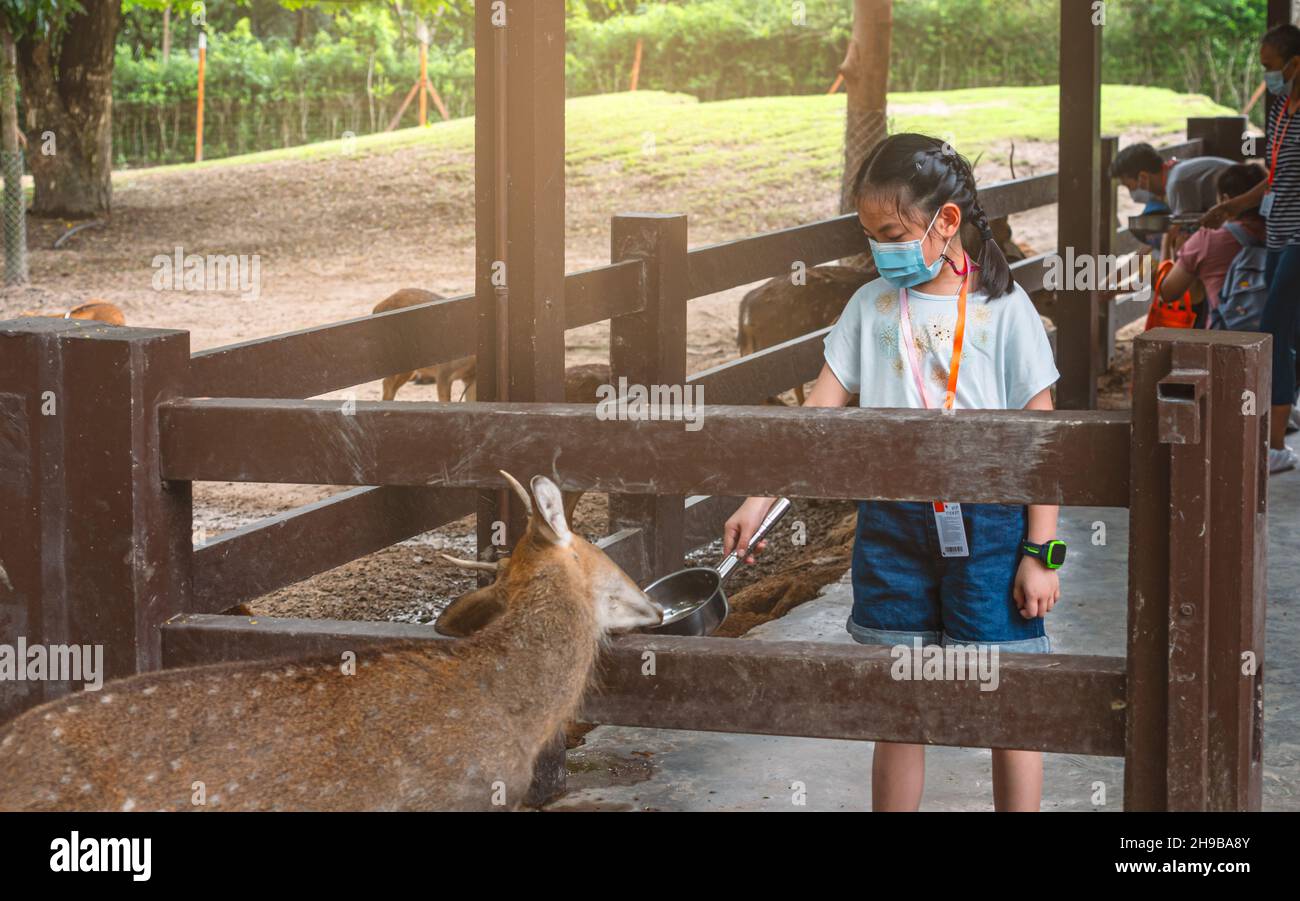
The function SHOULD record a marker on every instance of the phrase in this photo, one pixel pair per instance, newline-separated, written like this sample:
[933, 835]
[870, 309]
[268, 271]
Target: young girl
[939, 329]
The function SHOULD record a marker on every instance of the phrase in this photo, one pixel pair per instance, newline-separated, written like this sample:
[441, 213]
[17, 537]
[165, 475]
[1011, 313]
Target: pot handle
[773, 516]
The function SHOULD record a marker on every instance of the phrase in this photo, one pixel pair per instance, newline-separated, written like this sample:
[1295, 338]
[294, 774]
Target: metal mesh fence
[862, 132]
[15, 218]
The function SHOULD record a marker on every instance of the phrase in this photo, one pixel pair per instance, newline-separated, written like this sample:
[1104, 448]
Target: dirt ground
[335, 236]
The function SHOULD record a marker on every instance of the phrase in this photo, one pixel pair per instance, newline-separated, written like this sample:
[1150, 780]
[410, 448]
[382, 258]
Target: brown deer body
[779, 310]
[444, 374]
[580, 382]
[427, 725]
[95, 310]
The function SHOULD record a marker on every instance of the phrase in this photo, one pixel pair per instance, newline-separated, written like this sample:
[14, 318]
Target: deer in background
[580, 382]
[444, 374]
[779, 310]
[95, 310]
[421, 725]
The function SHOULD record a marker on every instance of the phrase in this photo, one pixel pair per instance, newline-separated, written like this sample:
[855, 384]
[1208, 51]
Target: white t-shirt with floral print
[1006, 357]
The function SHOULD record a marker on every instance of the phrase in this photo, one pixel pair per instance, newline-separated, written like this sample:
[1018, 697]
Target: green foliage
[713, 49]
[29, 17]
[277, 80]
[261, 95]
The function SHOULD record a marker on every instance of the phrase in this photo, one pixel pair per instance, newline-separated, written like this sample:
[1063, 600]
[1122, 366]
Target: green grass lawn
[757, 140]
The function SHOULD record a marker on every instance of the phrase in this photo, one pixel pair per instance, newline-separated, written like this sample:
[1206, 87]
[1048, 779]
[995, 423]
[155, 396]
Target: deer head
[619, 605]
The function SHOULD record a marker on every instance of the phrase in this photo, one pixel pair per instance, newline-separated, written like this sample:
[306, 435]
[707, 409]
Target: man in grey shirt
[1188, 186]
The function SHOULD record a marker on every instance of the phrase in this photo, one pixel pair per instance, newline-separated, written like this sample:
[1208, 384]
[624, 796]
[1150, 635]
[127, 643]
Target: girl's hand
[1037, 588]
[743, 524]
[1220, 213]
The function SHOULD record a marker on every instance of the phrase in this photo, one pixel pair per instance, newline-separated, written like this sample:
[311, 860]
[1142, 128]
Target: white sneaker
[1281, 460]
[1293, 424]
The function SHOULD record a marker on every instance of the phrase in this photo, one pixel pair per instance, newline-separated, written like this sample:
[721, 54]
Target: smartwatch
[1051, 554]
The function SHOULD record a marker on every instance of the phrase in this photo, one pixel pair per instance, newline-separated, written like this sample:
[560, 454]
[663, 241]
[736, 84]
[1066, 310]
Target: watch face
[1055, 553]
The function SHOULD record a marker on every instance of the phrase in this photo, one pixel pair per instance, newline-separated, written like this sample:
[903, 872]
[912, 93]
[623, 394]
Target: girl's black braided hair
[926, 173]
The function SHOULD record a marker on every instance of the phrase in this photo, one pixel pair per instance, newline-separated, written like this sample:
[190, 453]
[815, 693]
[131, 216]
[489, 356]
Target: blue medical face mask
[1277, 83]
[903, 264]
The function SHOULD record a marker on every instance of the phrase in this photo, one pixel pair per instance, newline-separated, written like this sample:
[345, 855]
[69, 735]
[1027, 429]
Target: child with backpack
[1226, 264]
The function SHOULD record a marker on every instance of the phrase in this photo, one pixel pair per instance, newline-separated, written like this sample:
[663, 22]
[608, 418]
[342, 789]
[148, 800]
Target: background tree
[13, 209]
[65, 71]
[866, 79]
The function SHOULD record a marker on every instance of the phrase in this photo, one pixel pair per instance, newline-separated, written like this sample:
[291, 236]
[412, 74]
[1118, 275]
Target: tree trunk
[167, 34]
[866, 79]
[68, 91]
[11, 165]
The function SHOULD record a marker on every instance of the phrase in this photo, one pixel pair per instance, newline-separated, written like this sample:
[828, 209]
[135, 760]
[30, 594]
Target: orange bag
[1169, 314]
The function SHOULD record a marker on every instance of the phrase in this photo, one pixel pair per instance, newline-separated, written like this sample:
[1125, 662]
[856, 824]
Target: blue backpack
[1245, 290]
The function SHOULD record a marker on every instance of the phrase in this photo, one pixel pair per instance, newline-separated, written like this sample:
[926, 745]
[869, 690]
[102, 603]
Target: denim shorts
[904, 589]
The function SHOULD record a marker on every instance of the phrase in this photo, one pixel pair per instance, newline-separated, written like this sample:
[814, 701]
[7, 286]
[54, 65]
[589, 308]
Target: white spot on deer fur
[150, 690]
[255, 693]
[133, 708]
[106, 699]
[129, 804]
[151, 777]
[57, 733]
[9, 739]
[212, 690]
[85, 788]
[175, 765]
[320, 686]
[49, 716]
[172, 713]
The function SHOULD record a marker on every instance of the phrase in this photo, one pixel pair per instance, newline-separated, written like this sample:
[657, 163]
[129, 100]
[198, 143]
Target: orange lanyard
[905, 323]
[1277, 144]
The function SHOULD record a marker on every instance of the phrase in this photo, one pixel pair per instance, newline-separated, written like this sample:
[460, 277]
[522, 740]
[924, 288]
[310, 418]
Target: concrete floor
[638, 769]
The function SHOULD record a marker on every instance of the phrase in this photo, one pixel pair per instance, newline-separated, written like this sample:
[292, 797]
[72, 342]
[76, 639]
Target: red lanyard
[905, 323]
[1277, 143]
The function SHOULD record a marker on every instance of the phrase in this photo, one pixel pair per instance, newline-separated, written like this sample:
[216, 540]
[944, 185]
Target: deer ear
[550, 511]
[471, 612]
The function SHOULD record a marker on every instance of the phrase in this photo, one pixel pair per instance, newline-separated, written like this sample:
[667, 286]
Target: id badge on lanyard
[952, 532]
[947, 517]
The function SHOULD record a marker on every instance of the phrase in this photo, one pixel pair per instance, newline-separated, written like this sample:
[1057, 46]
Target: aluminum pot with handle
[692, 599]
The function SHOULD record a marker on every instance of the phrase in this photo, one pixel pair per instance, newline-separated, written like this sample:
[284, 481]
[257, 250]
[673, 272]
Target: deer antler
[470, 564]
[519, 490]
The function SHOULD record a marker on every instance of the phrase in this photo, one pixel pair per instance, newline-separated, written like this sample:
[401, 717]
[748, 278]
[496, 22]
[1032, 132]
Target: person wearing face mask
[945, 326]
[1184, 186]
[1278, 200]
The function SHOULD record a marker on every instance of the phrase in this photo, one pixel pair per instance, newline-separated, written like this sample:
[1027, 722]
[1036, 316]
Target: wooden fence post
[649, 349]
[95, 548]
[1106, 227]
[1080, 127]
[1223, 136]
[519, 233]
[1197, 557]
